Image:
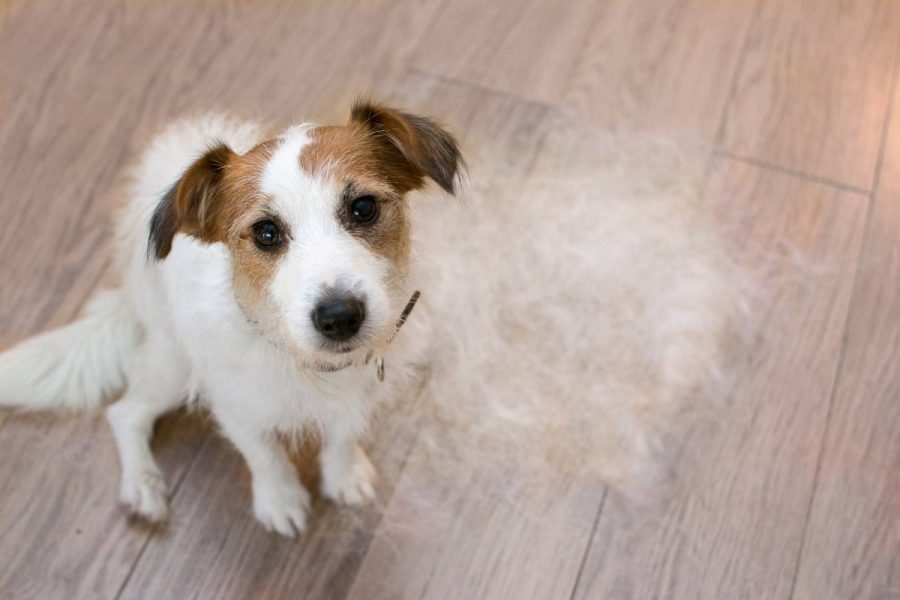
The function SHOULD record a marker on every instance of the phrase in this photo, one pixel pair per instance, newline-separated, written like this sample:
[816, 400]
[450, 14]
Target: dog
[263, 276]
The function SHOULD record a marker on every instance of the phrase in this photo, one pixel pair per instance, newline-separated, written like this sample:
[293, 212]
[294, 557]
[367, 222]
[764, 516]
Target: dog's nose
[339, 319]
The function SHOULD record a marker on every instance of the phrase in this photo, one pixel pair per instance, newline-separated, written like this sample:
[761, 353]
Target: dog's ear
[193, 204]
[423, 147]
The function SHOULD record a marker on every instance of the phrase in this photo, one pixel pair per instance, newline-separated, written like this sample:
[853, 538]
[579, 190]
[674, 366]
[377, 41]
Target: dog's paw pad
[146, 495]
[281, 508]
[353, 487]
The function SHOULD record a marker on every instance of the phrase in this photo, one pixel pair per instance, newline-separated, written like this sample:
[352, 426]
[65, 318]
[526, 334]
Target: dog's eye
[364, 210]
[267, 234]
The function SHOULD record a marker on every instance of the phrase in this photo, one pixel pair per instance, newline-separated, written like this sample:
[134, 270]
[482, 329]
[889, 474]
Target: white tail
[74, 367]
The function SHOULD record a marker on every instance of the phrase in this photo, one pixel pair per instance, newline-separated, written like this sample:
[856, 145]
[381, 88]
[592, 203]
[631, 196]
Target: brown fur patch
[427, 149]
[244, 206]
[401, 147]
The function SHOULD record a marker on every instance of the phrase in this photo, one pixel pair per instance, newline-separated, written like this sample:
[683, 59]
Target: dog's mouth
[329, 367]
[329, 348]
[333, 356]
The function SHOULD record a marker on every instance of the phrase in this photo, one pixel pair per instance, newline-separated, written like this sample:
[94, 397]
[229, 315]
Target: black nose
[339, 319]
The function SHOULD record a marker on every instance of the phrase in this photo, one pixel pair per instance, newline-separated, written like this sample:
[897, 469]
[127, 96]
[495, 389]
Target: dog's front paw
[352, 485]
[281, 507]
[145, 494]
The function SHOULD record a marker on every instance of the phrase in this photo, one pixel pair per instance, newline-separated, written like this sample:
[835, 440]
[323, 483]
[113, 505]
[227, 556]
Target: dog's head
[316, 223]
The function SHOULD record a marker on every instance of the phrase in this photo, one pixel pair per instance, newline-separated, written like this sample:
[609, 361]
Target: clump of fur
[581, 311]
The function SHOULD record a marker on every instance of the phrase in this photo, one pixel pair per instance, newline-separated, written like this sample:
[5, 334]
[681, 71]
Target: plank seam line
[588, 546]
[839, 185]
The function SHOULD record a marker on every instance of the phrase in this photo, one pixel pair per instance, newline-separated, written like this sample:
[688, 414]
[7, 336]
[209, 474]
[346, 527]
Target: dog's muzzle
[379, 361]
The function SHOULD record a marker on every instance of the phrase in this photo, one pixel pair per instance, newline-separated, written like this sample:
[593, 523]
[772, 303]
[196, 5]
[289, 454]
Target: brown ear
[191, 205]
[426, 149]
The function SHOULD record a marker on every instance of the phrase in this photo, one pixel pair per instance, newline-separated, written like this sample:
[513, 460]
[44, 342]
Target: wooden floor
[796, 101]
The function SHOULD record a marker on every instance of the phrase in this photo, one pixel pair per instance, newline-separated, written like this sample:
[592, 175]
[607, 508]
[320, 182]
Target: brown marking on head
[385, 153]
[425, 148]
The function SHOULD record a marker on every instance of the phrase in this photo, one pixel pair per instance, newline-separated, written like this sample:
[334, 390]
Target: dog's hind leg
[157, 384]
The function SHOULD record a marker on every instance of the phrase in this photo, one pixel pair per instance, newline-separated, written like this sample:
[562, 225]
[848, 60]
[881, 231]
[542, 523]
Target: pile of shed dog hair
[580, 311]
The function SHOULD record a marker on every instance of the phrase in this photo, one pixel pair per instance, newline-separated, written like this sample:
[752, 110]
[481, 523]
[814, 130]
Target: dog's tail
[74, 367]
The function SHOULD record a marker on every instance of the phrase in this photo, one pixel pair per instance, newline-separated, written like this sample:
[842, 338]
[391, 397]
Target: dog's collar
[379, 361]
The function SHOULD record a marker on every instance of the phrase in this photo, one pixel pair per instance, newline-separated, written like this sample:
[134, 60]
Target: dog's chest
[266, 386]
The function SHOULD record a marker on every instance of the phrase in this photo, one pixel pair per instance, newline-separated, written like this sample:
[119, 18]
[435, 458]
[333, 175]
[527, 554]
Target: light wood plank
[853, 537]
[736, 529]
[814, 86]
[526, 48]
[231, 555]
[660, 65]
